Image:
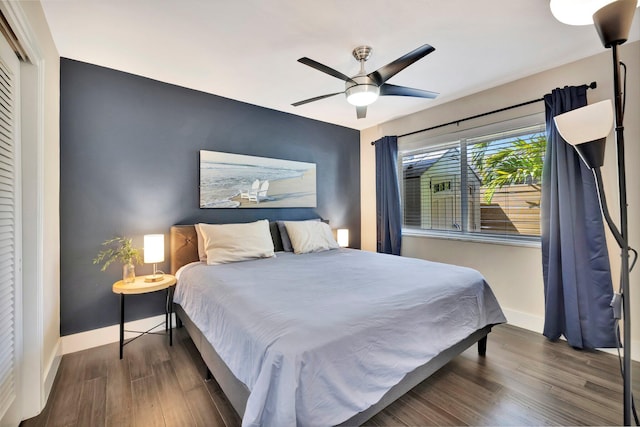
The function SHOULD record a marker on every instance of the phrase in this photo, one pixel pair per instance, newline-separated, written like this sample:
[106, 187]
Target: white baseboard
[524, 320]
[536, 324]
[97, 337]
[51, 369]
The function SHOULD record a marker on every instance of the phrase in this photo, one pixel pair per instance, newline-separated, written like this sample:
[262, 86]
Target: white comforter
[319, 337]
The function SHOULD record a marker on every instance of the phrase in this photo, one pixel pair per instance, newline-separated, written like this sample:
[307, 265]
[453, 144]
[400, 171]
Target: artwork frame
[235, 181]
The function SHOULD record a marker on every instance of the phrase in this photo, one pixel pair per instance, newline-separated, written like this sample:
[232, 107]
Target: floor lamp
[612, 23]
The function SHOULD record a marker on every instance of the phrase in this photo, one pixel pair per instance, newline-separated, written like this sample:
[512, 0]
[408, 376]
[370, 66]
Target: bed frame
[184, 249]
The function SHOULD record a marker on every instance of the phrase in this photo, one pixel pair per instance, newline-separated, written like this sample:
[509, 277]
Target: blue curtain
[575, 261]
[388, 217]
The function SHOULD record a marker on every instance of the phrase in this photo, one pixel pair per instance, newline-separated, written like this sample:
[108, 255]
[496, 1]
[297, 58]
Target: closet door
[10, 237]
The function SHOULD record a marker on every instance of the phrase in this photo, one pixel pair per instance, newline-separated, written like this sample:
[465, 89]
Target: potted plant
[120, 249]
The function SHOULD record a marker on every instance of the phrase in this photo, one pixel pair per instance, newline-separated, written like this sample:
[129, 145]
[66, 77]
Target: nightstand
[139, 286]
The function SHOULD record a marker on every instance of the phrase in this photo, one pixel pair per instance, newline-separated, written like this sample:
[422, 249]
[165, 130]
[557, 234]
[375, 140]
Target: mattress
[319, 337]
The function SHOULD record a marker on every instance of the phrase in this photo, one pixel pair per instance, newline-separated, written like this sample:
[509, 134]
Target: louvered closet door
[9, 235]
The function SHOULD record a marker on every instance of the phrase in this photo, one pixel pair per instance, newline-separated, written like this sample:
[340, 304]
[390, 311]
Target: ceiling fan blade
[361, 112]
[387, 89]
[385, 72]
[321, 67]
[317, 98]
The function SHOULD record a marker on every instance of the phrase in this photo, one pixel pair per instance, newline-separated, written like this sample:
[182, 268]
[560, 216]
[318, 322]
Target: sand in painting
[291, 192]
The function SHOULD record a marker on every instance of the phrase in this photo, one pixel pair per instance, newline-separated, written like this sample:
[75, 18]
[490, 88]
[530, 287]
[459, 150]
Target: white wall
[40, 114]
[515, 273]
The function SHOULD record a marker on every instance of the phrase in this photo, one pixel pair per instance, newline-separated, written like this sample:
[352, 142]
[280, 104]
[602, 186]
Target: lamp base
[153, 278]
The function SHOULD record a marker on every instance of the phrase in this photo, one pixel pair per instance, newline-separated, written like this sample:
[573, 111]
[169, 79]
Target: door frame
[36, 381]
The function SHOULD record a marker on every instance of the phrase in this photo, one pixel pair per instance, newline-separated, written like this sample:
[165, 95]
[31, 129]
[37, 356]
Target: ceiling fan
[363, 89]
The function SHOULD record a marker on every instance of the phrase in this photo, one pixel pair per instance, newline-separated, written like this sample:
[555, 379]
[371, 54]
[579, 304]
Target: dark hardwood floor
[523, 380]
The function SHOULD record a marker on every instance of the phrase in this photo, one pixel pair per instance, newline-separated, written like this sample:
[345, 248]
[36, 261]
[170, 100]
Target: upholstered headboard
[184, 246]
[184, 243]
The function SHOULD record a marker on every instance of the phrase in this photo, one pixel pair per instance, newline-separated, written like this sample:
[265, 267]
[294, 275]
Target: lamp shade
[614, 20]
[576, 12]
[586, 129]
[343, 237]
[153, 248]
[586, 124]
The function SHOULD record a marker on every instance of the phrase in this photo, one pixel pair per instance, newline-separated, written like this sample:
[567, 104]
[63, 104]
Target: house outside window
[484, 186]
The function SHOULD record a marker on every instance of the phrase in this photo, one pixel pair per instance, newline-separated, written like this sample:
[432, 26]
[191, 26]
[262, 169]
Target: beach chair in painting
[261, 193]
[253, 190]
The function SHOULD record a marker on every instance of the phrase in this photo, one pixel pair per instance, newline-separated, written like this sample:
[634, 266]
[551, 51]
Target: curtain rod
[591, 85]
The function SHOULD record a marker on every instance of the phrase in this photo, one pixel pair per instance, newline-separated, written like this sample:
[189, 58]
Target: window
[485, 186]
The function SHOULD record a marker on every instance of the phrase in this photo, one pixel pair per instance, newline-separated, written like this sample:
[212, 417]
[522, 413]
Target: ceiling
[248, 49]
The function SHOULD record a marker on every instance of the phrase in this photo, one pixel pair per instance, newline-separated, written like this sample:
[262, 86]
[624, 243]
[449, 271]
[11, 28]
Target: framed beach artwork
[240, 181]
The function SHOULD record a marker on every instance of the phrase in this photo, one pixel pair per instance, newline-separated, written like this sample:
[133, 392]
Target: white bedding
[319, 337]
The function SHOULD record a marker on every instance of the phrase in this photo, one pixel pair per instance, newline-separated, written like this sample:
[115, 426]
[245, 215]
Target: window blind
[487, 185]
[7, 240]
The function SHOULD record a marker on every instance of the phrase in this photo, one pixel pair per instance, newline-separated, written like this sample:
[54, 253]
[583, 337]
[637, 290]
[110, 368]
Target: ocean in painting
[221, 182]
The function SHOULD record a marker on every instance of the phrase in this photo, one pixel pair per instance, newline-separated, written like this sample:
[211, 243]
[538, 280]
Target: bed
[323, 338]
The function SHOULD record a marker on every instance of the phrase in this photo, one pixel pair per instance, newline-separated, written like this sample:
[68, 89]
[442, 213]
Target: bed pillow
[202, 254]
[273, 229]
[284, 236]
[310, 236]
[275, 236]
[226, 243]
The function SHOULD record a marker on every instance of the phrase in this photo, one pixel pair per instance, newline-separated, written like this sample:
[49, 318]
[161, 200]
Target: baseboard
[107, 335]
[536, 324]
[524, 320]
[51, 369]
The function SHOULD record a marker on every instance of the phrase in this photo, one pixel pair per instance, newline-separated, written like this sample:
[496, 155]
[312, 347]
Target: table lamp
[154, 253]
[343, 237]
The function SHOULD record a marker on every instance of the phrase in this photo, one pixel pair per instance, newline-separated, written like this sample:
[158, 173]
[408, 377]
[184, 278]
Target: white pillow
[202, 254]
[310, 236]
[284, 236]
[226, 243]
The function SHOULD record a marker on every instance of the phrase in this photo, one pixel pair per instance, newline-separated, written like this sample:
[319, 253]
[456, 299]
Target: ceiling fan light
[362, 95]
[576, 12]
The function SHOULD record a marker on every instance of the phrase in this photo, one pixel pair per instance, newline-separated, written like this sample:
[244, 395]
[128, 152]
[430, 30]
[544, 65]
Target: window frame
[414, 144]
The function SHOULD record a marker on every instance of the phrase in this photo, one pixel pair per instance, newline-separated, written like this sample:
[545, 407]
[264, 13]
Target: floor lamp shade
[586, 129]
[613, 21]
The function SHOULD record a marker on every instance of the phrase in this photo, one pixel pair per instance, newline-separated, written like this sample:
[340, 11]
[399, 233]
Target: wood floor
[523, 380]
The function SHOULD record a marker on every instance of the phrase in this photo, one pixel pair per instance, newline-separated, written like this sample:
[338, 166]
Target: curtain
[575, 261]
[388, 216]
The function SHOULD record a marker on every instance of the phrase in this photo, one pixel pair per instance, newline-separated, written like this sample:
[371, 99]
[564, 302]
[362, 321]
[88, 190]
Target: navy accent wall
[129, 158]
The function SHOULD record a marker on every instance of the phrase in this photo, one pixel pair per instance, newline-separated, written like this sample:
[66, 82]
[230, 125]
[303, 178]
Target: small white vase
[129, 273]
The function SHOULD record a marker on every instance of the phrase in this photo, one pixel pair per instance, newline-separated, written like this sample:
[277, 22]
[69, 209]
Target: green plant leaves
[121, 249]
